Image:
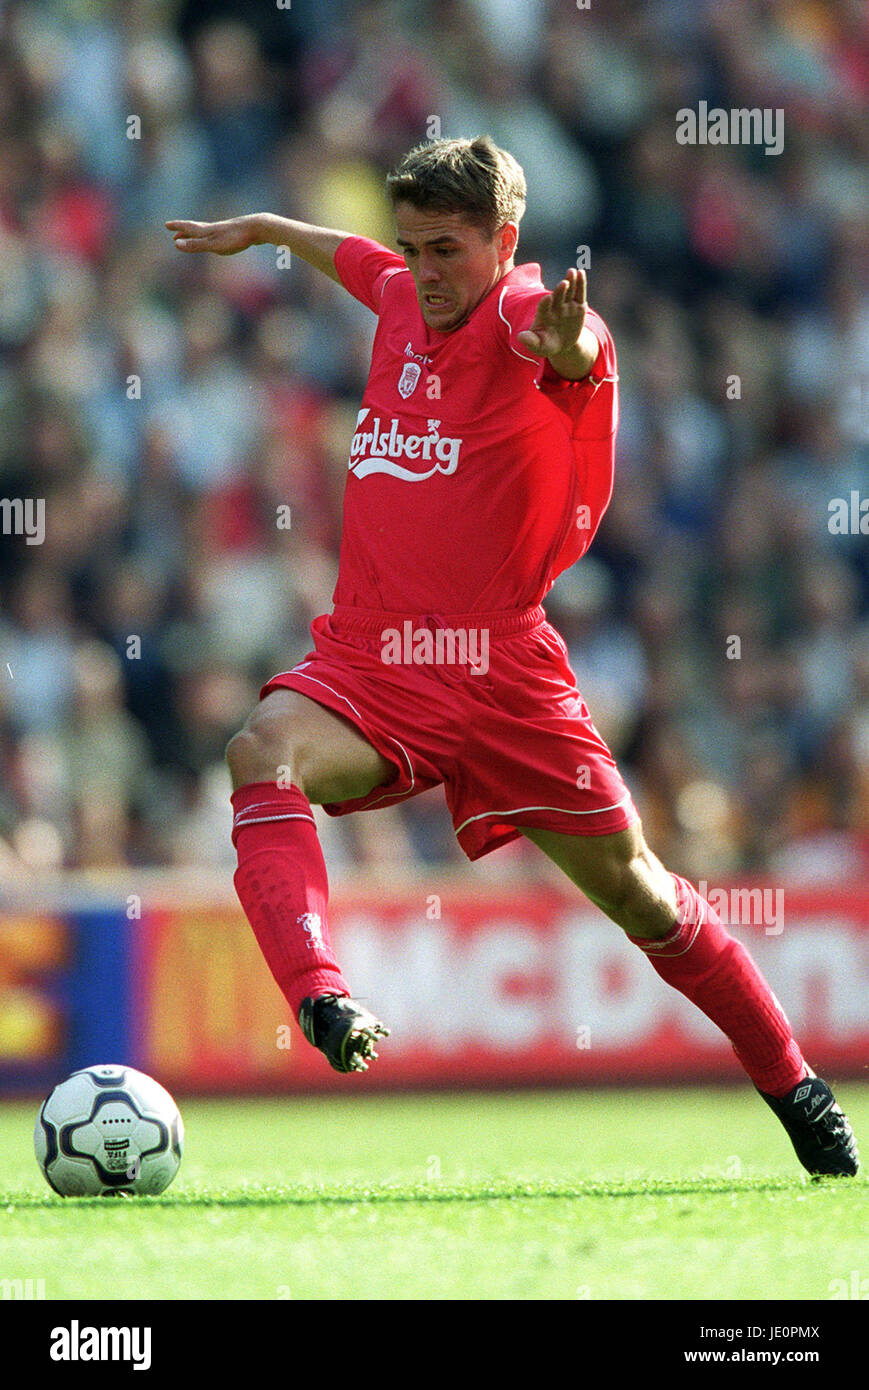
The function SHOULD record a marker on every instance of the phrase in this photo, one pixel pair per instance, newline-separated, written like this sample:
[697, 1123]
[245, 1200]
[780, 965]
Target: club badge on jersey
[409, 379]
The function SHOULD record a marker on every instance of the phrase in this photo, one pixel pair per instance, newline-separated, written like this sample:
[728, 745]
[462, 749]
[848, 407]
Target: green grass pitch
[640, 1194]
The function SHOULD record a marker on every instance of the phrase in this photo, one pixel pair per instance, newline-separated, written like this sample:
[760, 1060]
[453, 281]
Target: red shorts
[513, 742]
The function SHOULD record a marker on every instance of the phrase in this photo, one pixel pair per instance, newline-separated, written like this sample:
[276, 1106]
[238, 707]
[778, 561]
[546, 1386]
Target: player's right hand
[223, 238]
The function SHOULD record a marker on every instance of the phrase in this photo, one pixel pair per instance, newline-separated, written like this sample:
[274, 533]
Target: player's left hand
[559, 319]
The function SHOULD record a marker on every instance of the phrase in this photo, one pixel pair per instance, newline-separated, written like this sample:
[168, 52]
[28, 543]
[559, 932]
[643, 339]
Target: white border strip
[537, 361]
[517, 810]
[261, 820]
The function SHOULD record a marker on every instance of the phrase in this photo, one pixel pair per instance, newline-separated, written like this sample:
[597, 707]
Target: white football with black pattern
[109, 1130]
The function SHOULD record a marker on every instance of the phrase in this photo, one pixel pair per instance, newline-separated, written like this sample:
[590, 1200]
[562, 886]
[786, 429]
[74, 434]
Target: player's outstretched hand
[223, 238]
[559, 319]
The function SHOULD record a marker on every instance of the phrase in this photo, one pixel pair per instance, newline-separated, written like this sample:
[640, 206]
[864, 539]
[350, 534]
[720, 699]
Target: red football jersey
[476, 474]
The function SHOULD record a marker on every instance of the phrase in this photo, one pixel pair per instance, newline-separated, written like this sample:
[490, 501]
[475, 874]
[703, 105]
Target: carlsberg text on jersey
[372, 451]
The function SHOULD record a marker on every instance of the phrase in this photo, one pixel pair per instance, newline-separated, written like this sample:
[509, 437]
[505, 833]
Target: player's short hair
[471, 177]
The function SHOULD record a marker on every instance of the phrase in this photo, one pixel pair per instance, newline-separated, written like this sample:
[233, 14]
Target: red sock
[282, 885]
[714, 970]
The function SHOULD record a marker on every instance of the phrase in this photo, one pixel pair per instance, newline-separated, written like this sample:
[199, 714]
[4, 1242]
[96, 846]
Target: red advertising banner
[33, 951]
[524, 985]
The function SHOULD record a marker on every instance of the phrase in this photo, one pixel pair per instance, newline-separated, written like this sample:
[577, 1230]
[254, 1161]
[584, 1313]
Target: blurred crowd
[167, 407]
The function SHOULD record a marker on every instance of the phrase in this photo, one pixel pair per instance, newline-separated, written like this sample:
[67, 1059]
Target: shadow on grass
[256, 1196]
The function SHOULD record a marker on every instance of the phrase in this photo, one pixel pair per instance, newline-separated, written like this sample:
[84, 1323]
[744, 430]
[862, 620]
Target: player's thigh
[614, 871]
[289, 736]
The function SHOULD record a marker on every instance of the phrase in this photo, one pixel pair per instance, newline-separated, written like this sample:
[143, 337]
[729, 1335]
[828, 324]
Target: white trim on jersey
[261, 820]
[648, 948]
[517, 810]
[387, 276]
[661, 945]
[595, 380]
[536, 360]
[258, 805]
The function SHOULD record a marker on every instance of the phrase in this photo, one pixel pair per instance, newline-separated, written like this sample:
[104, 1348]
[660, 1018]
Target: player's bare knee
[265, 750]
[632, 887]
[270, 750]
[250, 758]
[646, 900]
[237, 758]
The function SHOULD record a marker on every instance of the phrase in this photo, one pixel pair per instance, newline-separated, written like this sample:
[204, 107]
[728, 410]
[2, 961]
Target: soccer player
[481, 465]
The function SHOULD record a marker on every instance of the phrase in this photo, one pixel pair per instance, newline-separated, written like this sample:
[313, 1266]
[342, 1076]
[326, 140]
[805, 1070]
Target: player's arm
[316, 245]
[559, 331]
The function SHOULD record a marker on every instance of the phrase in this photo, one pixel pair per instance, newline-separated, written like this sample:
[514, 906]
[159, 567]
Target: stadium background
[166, 407]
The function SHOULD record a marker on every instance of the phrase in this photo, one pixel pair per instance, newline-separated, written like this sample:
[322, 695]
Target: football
[109, 1130]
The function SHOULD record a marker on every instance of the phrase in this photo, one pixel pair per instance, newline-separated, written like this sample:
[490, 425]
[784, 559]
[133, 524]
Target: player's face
[453, 263]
